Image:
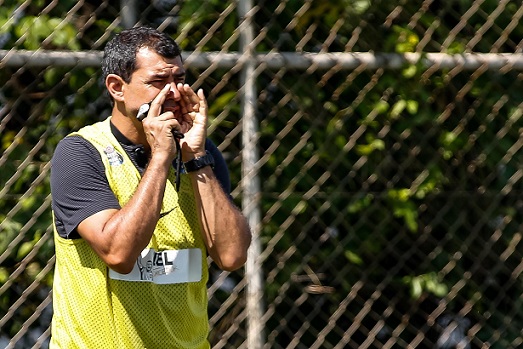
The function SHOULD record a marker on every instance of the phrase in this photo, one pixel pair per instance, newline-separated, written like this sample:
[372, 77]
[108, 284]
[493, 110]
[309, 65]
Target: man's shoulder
[72, 144]
[75, 149]
[79, 140]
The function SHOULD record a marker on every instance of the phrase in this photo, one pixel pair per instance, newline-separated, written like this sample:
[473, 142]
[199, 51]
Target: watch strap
[199, 162]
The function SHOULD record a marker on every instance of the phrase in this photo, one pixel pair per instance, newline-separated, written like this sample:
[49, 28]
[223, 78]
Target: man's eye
[158, 82]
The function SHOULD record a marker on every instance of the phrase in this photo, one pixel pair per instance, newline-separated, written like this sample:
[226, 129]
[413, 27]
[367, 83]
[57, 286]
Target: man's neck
[128, 129]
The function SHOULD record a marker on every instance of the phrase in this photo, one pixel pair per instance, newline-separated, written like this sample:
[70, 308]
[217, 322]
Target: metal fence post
[128, 13]
[250, 179]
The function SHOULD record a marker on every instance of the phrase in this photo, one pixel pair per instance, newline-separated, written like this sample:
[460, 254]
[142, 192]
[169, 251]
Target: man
[131, 247]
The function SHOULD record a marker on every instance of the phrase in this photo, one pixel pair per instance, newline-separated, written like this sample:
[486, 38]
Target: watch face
[142, 112]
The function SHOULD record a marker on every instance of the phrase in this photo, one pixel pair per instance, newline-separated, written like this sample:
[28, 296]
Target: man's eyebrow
[164, 74]
[159, 74]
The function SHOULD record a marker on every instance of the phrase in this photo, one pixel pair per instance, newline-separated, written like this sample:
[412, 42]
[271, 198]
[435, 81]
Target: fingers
[157, 102]
[190, 101]
[203, 101]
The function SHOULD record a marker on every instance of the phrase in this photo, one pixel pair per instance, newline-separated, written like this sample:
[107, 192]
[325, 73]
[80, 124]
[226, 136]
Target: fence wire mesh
[391, 191]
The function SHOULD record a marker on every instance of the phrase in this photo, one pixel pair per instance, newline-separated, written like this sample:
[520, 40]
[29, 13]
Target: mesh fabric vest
[93, 310]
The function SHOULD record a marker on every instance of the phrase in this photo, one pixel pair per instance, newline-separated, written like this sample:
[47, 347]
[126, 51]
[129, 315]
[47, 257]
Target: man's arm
[225, 230]
[119, 236]
[79, 186]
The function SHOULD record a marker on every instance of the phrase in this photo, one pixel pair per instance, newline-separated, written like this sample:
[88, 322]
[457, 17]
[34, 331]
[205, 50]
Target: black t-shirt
[80, 187]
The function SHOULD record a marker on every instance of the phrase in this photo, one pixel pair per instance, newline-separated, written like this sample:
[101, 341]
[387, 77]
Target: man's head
[138, 63]
[120, 53]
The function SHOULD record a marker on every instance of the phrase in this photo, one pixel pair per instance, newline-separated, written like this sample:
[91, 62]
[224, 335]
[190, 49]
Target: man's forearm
[130, 229]
[224, 228]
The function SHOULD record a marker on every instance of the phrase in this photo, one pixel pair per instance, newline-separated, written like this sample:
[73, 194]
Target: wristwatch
[199, 162]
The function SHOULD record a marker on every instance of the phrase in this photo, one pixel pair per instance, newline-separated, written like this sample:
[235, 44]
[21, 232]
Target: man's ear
[115, 86]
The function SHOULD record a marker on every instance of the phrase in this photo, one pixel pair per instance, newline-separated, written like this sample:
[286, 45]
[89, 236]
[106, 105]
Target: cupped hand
[158, 127]
[194, 113]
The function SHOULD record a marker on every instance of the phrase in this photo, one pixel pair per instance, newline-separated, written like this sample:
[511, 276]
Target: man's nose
[173, 92]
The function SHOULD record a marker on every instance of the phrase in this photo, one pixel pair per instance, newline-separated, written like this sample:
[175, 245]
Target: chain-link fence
[375, 147]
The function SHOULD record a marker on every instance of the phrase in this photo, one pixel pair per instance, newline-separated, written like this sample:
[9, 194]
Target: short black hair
[120, 52]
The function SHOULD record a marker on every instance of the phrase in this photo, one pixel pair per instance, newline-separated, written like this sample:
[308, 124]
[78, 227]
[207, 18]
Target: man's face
[152, 73]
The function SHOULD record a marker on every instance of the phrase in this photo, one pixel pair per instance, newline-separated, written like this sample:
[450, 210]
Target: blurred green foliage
[414, 176]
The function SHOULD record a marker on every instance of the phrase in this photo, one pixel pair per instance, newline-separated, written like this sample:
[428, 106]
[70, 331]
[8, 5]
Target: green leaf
[4, 275]
[353, 258]
[360, 6]
[300, 207]
[360, 204]
[412, 106]
[425, 283]
[24, 249]
[331, 107]
[415, 288]
[381, 106]
[373, 145]
[64, 37]
[399, 194]
[221, 102]
[410, 71]
[10, 229]
[398, 108]
[406, 40]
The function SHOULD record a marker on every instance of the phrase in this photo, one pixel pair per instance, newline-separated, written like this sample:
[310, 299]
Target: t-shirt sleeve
[79, 186]
[221, 170]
